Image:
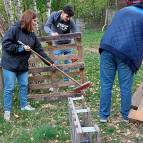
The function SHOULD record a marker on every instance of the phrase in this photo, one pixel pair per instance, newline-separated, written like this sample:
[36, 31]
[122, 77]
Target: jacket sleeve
[38, 48]
[49, 23]
[74, 28]
[9, 42]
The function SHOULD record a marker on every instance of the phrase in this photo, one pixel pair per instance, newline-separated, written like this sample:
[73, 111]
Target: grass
[50, 124]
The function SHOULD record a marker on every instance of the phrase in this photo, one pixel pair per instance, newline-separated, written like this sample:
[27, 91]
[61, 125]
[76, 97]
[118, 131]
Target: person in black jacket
[15, 59]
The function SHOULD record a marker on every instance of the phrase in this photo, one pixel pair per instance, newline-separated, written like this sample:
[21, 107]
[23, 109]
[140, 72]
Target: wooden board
[1, 87]
[138, 95]
[43, 77]
[137, 115]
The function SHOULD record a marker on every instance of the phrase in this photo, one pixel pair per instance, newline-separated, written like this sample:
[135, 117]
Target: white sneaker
[72, 86]
[7, 116]
[125, 120]
[103, 120]
[27, 108]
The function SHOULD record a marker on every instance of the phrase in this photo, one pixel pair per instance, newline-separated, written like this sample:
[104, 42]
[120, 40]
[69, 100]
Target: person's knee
[9, 88]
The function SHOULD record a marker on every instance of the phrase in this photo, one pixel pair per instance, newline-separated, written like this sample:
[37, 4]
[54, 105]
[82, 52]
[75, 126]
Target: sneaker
[125, 120]
[72, 86]
[7, 116]
[27, 108]
[103, 120]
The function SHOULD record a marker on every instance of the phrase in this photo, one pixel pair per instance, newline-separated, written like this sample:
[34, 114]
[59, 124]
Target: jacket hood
[57, 14]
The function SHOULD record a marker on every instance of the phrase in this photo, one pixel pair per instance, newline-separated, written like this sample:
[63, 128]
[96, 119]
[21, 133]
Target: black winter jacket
[13, 59]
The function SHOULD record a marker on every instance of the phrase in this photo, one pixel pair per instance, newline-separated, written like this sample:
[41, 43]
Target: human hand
[53, 67]
[55, 34]
[27, 48]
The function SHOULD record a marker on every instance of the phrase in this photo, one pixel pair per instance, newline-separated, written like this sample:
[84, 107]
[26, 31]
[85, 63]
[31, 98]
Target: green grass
[49, 123]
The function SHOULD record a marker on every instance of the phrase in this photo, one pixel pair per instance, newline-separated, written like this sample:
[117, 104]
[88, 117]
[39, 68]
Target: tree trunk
[36, 10]
[48, 7]
[18, 8]
[9, 11]
[58, 3]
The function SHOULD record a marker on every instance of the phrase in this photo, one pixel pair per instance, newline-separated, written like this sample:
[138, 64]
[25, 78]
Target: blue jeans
[9, 82]
[109, 64]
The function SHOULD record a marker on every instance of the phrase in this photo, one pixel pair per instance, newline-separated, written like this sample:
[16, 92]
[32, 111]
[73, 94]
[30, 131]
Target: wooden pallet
[136, 113]
[82, 128]
[42, 77]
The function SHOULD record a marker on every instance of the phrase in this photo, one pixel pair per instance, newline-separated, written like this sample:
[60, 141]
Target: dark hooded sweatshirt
[15, 58]
[56, 24]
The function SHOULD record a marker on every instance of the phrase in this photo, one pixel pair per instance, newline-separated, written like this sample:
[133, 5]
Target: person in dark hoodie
[61, 22]
[121, 50]
[15, 59]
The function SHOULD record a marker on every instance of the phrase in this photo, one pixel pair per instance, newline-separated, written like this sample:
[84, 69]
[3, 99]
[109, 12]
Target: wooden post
[1, 86]
[82, 128]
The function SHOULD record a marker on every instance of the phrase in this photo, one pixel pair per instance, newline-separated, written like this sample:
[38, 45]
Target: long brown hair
[26, 20]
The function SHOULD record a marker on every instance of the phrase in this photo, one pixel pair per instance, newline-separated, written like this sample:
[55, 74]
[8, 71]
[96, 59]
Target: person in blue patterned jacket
[121, 50]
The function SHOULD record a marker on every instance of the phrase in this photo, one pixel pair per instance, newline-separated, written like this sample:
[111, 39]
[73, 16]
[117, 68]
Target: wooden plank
[72, 65]
[40, 69]
[88, 129]
[62, 67]
[136, 115]
[39, 77]
[49, 85]
[140, 107]
[65, 57]
[48, 76]
[61, 37]
[136, 99]
[82, 79]
[52, 96]
[1, 87]
[80, 53]
[61, 47]
[82, 110]
[1, 81]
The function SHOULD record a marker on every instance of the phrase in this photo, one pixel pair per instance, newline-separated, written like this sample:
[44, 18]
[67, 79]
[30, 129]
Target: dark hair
[68, 9]
[26, 20]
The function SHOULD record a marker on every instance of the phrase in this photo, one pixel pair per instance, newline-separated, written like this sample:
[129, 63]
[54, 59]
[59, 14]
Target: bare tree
[48, 7]
[36, 10]
[9, 10]
[18, 8]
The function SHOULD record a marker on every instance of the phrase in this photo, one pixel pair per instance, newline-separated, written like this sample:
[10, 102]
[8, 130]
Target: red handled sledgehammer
[77, 89]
